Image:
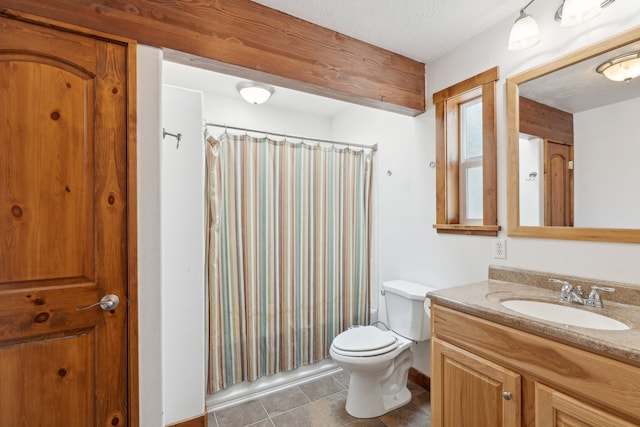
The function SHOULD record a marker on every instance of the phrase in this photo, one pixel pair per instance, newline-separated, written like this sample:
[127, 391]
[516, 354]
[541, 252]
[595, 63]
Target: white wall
[405, 194]
[150, 316]
[606, 161]
[407, 246]
[236, 112]
[610, 261]
[531, 188]
[182, 212]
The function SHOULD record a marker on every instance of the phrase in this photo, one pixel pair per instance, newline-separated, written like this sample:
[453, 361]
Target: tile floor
[320, 403]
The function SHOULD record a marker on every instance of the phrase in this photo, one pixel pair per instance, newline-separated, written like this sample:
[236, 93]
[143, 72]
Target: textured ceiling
[419, 29]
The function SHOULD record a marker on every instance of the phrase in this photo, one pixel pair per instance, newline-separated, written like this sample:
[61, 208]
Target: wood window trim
[447, 159]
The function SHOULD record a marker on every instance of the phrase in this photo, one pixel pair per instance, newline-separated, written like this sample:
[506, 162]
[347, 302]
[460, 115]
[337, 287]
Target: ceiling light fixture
[622, 68]
[254, 92]
[525, 32]
[576, 12]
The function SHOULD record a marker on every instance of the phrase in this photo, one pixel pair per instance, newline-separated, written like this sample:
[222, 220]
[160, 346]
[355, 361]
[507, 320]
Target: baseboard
[420, 379]
[199, 421]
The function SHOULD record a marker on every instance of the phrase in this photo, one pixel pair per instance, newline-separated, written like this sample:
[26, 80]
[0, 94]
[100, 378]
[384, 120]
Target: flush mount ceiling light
[254, 92]
[576, 12]
[622, 68]
[525, 32]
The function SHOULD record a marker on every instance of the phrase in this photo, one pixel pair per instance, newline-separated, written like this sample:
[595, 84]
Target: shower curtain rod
[326, 141]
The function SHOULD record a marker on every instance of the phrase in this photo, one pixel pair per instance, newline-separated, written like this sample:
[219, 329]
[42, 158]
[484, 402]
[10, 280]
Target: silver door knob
[506, 395]
[108, 302]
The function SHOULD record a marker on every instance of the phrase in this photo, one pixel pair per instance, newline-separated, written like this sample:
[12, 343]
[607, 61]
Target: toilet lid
[365, 341]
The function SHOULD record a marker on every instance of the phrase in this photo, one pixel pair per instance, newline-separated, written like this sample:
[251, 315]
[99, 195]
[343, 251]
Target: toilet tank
[405, 308]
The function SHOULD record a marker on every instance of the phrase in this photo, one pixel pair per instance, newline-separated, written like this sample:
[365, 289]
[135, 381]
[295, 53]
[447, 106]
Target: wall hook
[177, 136]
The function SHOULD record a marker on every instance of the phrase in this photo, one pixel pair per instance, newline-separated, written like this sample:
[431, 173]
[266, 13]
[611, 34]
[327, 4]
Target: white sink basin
[564, 314]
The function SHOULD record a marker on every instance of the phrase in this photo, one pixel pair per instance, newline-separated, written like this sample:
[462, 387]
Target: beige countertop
[483, 299]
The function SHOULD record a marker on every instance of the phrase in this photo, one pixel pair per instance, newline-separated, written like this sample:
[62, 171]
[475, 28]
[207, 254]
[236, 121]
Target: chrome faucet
[575, 295]
[565, 291]
[594, 297]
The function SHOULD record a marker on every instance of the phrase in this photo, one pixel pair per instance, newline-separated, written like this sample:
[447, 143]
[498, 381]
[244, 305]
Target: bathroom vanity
[492, 366]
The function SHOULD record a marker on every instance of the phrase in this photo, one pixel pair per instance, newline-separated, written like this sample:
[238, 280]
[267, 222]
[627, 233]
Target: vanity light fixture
[254, 92]
[525, 32]
[575, 12]
[622, 68]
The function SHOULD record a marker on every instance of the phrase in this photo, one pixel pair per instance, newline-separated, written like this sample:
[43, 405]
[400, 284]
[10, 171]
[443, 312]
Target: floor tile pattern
[320, 403]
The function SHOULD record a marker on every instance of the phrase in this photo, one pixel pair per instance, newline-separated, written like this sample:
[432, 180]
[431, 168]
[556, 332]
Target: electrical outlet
[500, 248]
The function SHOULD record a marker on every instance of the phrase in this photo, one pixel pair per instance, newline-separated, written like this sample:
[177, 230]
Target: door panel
[559, 410]
[46, 172]
[470, 391]
[37, 371]
[558, 181]
[63, 228]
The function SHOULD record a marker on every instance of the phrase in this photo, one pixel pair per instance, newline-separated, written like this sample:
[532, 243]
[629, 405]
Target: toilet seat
[365, 341]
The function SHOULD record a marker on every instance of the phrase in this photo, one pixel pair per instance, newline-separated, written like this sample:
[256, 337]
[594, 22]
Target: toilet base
[370, 396]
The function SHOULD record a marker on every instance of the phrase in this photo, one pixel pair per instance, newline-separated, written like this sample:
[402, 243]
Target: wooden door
[468, 390]
[558, 184]
[63, 228]
[555, 409]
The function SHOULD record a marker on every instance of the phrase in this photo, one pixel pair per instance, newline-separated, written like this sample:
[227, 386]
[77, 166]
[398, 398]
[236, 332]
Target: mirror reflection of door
[558, 183]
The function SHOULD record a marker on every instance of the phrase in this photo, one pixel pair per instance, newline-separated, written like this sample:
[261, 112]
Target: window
[466, 176]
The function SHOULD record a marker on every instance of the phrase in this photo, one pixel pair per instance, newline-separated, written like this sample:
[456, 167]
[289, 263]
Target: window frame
[448, 155]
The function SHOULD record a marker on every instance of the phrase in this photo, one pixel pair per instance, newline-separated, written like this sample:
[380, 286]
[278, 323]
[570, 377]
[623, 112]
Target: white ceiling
[419, 29]
[580, 87]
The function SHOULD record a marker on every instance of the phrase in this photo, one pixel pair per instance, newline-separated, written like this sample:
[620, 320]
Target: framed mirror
[574, 146]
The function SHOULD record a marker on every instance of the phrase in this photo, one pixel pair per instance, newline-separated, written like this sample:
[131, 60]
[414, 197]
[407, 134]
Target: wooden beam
[546, 122]
[244, 38]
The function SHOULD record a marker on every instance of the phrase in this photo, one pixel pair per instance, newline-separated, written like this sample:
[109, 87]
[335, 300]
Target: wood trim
[606, 383]
[488, 76]
[132, 236]
[420, 379]
[618, 235]
[247, 39]
[489, 154]
[477, 230]
[199, 421]
[447, 155]
[513, 158]
[442, 216]
[578, 55]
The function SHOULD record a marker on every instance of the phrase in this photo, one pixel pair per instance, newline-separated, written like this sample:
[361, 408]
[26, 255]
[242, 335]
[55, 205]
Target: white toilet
[378, 360]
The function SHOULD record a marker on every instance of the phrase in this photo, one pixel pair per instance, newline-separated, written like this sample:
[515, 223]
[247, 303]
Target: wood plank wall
[244, 38]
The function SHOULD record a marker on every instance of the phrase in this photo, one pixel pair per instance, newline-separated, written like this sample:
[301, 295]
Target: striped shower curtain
[289, 229]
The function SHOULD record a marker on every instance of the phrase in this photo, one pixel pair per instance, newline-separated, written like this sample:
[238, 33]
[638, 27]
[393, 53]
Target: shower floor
[319, 403]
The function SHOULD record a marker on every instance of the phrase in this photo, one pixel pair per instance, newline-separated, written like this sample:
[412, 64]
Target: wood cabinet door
[468, 390]
[555, 409]
[63, 228]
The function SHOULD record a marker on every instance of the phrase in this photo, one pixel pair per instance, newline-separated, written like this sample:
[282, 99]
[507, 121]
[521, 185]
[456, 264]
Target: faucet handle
[565, 292]
[594, 296]
[564, 283]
